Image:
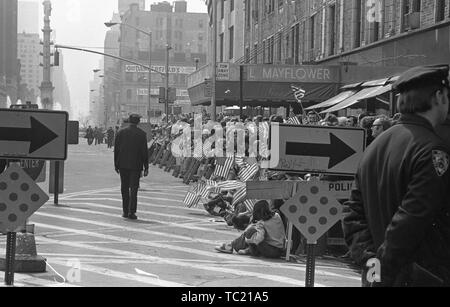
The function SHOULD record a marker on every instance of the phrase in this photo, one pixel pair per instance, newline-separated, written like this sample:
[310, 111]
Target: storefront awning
[333, 101]
[365, 93]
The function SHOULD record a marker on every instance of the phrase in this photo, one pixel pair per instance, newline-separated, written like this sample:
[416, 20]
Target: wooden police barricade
[164, 159]
[160, 155]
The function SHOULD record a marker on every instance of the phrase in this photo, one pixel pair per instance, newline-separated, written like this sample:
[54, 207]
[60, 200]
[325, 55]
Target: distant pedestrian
[130, 159]
[398, 214]
[110, 137]
[89, 135]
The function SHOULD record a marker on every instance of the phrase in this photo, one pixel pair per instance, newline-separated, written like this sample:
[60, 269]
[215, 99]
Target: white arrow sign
[329, 150]
[29, 134]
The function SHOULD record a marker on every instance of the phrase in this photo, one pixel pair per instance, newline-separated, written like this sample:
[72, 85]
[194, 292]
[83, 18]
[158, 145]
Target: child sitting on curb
[265, 236]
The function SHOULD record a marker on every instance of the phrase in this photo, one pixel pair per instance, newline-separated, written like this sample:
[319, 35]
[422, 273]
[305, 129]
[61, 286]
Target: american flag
[299, 93]
[294, 121]
[249, 172]
[223, 167]
[191, 199]
[239, 196]
[230, 185]
[250, 204]
[240, 161]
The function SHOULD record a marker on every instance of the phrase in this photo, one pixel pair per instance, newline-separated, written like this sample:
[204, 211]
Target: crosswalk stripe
[172, 247]
[278, 279]
[179, 224]
[130, 228]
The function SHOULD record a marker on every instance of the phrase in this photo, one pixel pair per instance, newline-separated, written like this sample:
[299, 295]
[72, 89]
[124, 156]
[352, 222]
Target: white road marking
[176, 248]
[139, 203]
[122, 275]
[176, 224]
[157, 260]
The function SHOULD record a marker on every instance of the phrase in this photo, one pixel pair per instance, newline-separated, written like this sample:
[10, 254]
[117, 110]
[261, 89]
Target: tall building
[28, 17]
[124, 5]
[28, 49]
[389, 33]
[319, 46]
[231, 30]
[9, 68]
[186, 33]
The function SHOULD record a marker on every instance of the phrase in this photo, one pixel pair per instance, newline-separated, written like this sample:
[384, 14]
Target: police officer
[130, 159]
[399, 212]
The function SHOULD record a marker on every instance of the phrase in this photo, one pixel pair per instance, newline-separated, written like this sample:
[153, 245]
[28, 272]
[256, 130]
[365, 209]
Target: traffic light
[172, 94]
[56, 59]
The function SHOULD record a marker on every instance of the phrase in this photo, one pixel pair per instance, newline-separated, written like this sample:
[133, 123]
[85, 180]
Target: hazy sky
[80, 23]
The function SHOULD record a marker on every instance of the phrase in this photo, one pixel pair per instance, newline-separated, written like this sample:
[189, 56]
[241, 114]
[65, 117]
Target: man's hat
[134, 119]
[422, 76]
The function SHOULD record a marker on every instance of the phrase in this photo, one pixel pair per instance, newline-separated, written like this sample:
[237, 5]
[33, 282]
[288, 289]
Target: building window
[200, 36]
[313, 32]
[231, 5]
[264, 52]
[200, 24]
[248, 14]
[129, 94]
[222, 9]
[417, 6]
[331, 29]
[221, 47]
[247, 55]
[231, 43]
[405, 12]
[357, 24]
[255, 54]
[440, 10]
[279, 50]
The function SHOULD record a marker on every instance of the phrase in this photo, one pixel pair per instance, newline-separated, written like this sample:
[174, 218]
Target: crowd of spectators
[222, 202]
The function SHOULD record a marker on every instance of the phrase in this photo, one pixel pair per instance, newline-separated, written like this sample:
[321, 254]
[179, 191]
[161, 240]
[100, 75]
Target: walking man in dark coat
[398, 224]
[130, 159]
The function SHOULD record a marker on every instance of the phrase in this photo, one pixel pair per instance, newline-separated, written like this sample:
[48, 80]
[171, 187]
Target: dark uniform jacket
[131, 150]
[399, 209]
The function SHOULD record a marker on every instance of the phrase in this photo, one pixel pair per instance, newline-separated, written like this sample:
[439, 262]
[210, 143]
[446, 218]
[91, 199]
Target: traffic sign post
[20, 197]
[315, 149]
[313, 211]
[10, 258]
[33, 134]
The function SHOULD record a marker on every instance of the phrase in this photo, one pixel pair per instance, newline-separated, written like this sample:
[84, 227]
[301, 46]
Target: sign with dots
[313, 210]
[20, 197]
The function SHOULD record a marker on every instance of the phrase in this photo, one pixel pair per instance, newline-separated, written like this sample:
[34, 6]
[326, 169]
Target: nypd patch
[441, 162]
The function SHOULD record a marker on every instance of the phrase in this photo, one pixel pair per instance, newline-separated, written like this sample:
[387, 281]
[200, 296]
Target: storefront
[270, 86]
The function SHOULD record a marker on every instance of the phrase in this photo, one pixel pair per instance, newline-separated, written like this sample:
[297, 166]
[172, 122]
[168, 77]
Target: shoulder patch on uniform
[441, 162]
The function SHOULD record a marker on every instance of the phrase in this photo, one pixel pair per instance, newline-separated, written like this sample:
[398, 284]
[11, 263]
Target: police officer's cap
[422, 76]
[134, 118]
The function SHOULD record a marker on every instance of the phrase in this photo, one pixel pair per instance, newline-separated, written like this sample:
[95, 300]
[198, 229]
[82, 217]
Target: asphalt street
[88, 244]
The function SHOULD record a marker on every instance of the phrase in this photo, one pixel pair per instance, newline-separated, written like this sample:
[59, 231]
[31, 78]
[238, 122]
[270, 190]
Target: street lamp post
[111, 24]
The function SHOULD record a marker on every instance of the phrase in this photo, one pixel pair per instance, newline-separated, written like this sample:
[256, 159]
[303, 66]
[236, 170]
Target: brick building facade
[362, 32]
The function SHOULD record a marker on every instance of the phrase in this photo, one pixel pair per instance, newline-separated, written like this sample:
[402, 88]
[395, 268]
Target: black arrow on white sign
[38, 135]
[337, 150]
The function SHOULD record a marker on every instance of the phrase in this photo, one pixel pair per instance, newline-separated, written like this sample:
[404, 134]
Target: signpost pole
[56, 192]
[10, 258]
[241, 91]
[310, 265]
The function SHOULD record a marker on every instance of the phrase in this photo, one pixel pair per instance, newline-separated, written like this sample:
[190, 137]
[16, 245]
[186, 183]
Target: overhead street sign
[37, 135]
[316, 149]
